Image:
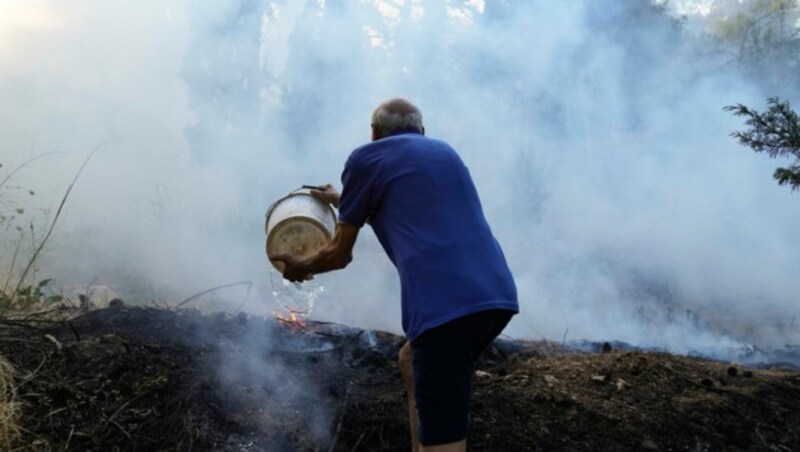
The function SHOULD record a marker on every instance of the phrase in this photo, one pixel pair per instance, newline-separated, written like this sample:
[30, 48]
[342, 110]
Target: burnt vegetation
[125, 378]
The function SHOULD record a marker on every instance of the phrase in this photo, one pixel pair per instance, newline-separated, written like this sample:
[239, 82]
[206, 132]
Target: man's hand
[334, 255]
[293, 268]
[327, 193]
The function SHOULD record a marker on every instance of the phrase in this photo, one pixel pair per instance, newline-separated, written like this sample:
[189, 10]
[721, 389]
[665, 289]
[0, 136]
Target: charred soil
[127, 378]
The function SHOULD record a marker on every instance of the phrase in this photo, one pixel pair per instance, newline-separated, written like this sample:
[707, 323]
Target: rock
[599, 378]
[707, 382]
[116, 303]
[93, 296]
[99, 347]
[649, 444]
[549, 379]
[482, 374]
[515, 379]
[622, 384]
[747, 374]
[732, 371]
[540, 398]
[241, 318]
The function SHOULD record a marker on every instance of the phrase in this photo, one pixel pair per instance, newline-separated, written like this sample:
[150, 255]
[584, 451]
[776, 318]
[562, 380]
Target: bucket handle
[310, 187]
[302, 187]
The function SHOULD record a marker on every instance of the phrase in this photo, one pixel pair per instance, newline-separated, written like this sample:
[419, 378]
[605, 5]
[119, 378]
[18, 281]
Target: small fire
[293, 321]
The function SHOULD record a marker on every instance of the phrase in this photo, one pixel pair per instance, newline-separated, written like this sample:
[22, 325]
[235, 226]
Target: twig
[23, 165]
[56, 411]
[40, 313]
[123, 430]
[360, 438]
[380, 437]
[74, 331]
[124, 405]
[33, 374]
[16, 339]
[22, 323]
[11, 267]
[32, 433]
[341, 418]
[55, 341]
[159, 305]
[758, 432]
[69, 438]
[689, 380]
[52, 226]
[238, 283]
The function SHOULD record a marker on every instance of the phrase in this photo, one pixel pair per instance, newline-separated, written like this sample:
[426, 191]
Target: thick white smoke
[596, 139]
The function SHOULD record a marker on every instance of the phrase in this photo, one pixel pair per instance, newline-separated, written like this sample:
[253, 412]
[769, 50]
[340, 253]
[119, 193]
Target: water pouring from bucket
[296, 298]
[297, 224]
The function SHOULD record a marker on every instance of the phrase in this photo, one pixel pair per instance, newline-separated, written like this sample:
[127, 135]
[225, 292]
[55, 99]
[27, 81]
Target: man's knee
[406, 361]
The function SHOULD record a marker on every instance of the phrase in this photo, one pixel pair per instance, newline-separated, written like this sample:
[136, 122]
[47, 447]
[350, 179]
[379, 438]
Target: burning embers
[293, 321]
[297, 300]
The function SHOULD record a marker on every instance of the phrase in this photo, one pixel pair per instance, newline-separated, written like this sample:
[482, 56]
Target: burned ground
[152, 379]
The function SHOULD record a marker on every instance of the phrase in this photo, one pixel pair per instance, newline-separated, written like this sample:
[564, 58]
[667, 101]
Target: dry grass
[9, 408]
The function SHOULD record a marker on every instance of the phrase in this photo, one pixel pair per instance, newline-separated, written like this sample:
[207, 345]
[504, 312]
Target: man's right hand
[293, 269]
[327, 193]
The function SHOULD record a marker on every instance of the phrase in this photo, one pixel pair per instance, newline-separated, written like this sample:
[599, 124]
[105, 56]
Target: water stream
[297, 298]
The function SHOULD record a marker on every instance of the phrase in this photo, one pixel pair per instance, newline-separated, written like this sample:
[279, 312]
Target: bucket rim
[299, 193]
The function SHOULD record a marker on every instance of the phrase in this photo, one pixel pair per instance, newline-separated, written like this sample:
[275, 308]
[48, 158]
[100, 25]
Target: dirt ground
[126, 378]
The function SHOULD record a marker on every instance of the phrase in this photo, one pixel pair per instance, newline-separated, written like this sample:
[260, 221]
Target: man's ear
[423, 131]
[376, 134]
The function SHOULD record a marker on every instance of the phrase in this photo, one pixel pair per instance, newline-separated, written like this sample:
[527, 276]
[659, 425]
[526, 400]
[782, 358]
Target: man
[457, 290]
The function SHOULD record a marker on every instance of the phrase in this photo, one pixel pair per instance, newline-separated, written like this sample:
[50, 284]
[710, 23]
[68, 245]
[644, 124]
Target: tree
[759, 37]
[757, 28]
[776, 131]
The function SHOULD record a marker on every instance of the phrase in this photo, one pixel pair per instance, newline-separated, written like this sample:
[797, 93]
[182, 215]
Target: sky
[598, 145]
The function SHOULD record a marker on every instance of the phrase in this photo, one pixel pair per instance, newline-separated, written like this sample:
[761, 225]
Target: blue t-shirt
[420, 200]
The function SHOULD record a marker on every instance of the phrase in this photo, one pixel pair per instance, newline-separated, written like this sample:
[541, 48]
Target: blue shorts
[443, 366]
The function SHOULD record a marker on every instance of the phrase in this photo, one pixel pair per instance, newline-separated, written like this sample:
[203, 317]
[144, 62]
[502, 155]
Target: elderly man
[457, 290]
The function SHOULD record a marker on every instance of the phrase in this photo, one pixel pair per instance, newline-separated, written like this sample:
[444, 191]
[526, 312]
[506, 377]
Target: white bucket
[298, 224]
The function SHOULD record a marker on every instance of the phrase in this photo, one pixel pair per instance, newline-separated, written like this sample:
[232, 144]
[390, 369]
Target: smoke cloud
[596, 138]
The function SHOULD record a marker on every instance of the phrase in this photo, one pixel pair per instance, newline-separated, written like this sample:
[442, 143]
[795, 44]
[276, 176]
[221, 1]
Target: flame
[292, 320]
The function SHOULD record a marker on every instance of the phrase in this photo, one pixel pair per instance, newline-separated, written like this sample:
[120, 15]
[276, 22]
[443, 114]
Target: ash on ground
[126, 378]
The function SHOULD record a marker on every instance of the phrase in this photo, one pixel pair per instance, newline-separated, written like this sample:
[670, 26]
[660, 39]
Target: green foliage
[28, 297]
[775, 131]
[17, 234]
[20, 291]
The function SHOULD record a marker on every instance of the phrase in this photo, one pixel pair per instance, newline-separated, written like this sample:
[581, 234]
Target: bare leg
[458, 446]
[406, 362]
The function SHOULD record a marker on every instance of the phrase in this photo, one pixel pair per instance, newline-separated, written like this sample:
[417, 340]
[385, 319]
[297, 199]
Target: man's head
[393, 115]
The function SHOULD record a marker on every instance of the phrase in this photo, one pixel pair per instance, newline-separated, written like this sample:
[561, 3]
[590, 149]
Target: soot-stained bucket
[298, 224]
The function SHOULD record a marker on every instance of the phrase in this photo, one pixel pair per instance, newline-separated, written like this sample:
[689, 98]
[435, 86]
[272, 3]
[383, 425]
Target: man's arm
[333, 256]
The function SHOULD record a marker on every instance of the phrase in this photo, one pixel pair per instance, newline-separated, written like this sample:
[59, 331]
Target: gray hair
[396, 114]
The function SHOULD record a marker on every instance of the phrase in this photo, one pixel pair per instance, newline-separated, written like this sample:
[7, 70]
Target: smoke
[278, 390]
[593, 130]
